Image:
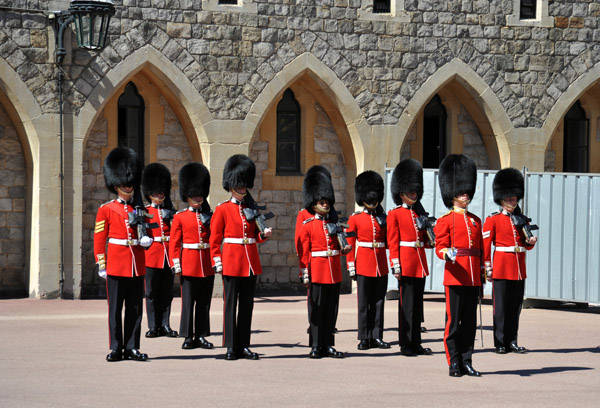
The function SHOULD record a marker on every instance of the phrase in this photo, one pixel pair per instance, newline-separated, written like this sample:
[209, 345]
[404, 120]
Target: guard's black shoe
[454, 370]
[114, 355]
[333, 353]
[203, 343]
[314, 353]
[364, 345]
[517, 349]
[230, 355]
[423, 351]
[407, 351]
[470, 371]
[152, 333]
[167, 331]
[188, 344]
[134, 354]
[248, 354]
[501, 350]
[379, 343]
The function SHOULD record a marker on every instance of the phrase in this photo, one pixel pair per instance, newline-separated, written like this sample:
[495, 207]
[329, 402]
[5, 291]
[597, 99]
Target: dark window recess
[576, 143]
[234, 2]
[434, 133]
[381, 6]
[131, 120]
[288, 135]
[528, 9]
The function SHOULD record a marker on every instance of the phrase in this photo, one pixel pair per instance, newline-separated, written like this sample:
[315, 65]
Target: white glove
[451, 254]
[176, 266]
[218, 265]
[102, 273]
[101, 264]
[396, 269]
[305, 277]
[351, 269]
[146, 241]
[488, 271]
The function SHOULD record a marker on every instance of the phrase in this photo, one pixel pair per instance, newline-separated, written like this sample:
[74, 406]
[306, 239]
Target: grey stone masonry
[230, 56]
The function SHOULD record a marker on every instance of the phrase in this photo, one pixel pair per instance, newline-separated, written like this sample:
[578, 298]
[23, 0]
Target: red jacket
[158, 253]
[402, 227]
[186, 228]
[121, 260]
[302, 216]
[314, 237]
[368, 261]
[500, 231]
[461, 230]
[229, 222]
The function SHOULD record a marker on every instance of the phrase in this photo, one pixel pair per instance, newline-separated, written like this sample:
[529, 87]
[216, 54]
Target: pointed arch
[332, 86]
[482, 95]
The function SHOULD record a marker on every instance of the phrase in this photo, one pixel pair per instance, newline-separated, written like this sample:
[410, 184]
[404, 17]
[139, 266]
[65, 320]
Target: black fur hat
[194, 181]
[239, 171]
[156, 178]
[368, 188]
[122, 168]
[316, 186]
[508, 182]
[458, 175]
[407, 177]
[318, 169]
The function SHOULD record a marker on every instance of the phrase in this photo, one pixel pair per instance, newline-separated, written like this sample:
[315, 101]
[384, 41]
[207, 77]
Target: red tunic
[314, 237]
[369, 261]
[121, 260]
[186, 228]
[402, 227]
[500, 231]
[303, 215]
[228, 221]
[158, 253]
[462, 230]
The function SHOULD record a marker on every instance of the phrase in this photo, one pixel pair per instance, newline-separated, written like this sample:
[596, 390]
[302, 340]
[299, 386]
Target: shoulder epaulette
[108, 202]
[494, 213]
[308, 220]
[448, 213]
[180, 211]
[222, 202]
[356, 212]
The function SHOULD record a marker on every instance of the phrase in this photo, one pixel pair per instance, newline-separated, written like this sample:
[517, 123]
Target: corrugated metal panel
[565, 265]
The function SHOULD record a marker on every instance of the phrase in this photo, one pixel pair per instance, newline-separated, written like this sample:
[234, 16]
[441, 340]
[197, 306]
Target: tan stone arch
[482, 103]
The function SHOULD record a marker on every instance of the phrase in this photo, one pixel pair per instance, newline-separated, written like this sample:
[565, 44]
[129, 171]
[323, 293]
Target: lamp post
[91, 27]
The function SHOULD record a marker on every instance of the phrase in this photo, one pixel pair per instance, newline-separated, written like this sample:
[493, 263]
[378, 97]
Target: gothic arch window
[576, 145]
[434, 133]
[381, 6]
[131, 120]
[288, 135]
[528, 9]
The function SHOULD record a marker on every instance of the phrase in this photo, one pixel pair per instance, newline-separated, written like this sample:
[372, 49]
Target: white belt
[123, 242]
[412, 244]
[366, 244]
[511, 249]
[161, 239]
[241, 241]
[196, 246]
[330, 252]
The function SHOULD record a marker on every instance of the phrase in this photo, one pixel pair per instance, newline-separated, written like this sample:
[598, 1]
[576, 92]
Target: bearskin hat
[508, 182]
[318, 169]
[316, 186]
[458, 175]
[368, 188]
[239, 171]
[122, 168]
[194, 181]
[156, 178]
[407, 177]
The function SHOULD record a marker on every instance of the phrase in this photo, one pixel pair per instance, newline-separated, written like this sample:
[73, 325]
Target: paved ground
[52, 354]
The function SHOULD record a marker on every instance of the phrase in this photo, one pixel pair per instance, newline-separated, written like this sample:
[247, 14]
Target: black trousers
[238, 296]
[410, 312]
[196, 296]
[507, 296]
[325, 299]
[159, 296]
[371, 301]
[461, 323]
[128, 291]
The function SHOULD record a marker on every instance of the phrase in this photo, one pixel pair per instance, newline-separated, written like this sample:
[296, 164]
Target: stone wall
[12, 211]
[472, 142]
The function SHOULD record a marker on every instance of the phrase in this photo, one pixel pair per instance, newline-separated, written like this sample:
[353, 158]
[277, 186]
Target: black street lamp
[91, 18]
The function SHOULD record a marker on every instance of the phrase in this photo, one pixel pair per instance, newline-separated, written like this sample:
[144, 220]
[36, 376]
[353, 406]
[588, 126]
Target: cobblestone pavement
[53, 354]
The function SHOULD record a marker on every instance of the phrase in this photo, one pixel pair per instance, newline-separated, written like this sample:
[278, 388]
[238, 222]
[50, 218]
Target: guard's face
[195, 202]
[239, 192]
[125, 192]
[322, 207]
[157, 198]
[462, 200]
[409, 198]
[510, 203]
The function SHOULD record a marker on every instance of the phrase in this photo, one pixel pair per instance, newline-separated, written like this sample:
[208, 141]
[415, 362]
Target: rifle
[337, 229]
[139, 215]
[521, 222]
[167, 211]
[252, 213]
[425, 222]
